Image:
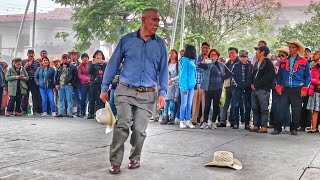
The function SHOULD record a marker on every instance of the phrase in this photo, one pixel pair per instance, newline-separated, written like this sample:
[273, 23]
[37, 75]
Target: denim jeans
[260, 105]
[186, 103]
[47, 94]
[84, 89]
[169, 106]
[111, 102]
[77, 99]
[65, 93]
[242, 103]
[276, 109]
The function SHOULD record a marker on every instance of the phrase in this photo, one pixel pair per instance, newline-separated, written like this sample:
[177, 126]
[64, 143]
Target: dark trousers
[276, 110]
[36, 97]
[242, 105]
[177, 107]
[95, 102]
[84, 90]
[14, 103]
[305, 120]
[212, 95]
[260, 104]
[290, 96]
[226, 106]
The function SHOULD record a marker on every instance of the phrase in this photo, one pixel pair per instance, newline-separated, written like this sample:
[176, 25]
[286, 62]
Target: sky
[18, 6]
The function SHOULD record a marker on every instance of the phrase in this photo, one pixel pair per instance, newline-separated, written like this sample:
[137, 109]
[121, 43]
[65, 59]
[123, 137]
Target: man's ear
[143, 19]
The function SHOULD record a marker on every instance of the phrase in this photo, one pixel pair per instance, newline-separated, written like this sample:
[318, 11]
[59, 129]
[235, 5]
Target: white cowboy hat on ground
[105, 117]
[297, 43]
[225, 159]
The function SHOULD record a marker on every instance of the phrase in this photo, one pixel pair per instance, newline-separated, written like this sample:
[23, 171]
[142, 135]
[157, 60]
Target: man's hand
[69, 84]
[252, 87]
[28, 64]
[303, 94]
[175, 100]
[161, 101]
[18, 77]
[170, 82]
[185, 92]
[104, 97]
[57, 87]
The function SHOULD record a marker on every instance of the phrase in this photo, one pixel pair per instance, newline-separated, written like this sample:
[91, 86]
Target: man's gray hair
[144, 13]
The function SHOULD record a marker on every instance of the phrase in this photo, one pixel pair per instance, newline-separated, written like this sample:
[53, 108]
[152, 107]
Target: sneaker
[189, 125]
[287, 129]
[70, 116]
[90, 117]
[53, 114]
[294, 132]
[275, 132]
[235, 127]
[183, 125]
[204, 126]
[59, 115]
[114, 170]
[222, 125]
[44, 114]
[213, 126]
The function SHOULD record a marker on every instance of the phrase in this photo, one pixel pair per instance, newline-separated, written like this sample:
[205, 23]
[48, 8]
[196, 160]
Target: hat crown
[224, 157]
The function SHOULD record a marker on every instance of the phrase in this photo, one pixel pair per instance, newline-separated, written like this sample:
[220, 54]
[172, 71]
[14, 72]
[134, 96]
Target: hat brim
[111, 123]
[236, 164]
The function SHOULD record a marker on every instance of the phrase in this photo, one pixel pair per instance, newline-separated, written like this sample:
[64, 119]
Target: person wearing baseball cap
[263, 78]
[241, 83]
[83, 75]
[307, 54]
[293, 81]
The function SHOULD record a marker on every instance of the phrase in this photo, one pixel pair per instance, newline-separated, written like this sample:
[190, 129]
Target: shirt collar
[153, 37]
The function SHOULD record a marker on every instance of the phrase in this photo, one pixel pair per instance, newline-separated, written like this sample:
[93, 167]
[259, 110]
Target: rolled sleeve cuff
[104, 88]
[162, 93]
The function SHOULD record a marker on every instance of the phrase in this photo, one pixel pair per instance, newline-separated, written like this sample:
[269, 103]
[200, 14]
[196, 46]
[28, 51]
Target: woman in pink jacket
[314, 91]
[83, 75]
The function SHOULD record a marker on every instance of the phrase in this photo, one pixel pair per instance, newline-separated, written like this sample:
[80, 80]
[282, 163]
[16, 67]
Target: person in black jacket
[96, 71]
[241, 89]
[263, 77]
[65, 78]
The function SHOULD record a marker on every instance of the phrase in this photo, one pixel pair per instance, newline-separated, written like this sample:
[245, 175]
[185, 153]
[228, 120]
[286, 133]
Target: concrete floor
[36, 148]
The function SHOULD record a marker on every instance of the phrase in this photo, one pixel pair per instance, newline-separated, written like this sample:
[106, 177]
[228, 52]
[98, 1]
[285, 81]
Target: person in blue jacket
[44, 78]
[187, 81]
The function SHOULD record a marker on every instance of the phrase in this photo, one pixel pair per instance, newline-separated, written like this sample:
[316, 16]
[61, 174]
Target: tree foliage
[307, 32]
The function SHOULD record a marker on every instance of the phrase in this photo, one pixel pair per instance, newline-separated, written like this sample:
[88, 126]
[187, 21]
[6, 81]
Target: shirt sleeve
[112, 66]
[183, 76]
[163, 73]
[307, 76]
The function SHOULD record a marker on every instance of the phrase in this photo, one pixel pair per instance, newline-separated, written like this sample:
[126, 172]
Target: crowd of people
[62, 88]
[276, 91]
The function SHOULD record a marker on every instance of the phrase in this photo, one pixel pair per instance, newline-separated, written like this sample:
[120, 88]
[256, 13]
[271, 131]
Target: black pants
[36, 97]
[14, 103]
[305, 120]
[95, 102]
[290, 96]
[212, 95]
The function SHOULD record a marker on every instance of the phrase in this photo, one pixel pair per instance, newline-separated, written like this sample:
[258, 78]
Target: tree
[307, 32]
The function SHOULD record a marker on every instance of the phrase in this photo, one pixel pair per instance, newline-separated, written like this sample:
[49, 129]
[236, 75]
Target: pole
[34, 23]
[174, 29]
[21, 27]
[182, 24]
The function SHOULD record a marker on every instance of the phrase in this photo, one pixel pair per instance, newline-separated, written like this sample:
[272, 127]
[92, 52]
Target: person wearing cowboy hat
[282, 52]
[293, 80]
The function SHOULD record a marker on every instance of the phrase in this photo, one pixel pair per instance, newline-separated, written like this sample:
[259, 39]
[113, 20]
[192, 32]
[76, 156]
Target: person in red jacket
[83, 75]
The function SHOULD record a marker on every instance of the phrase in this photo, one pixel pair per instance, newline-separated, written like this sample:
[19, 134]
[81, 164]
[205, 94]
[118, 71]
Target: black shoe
[70, 116]
[59, 115]
[294, 132]
[231, 125]
[247, 127]
[235, 127]
[222, 125]
[90, 117]
[275, 132]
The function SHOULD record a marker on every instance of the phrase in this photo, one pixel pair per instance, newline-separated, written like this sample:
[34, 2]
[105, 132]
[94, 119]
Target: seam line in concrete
[309, 166]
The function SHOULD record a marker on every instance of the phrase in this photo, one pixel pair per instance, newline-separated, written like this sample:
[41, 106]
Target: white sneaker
[183, 125]
[287, 129]
[44, 114]
[204, 126]
[53, 114]
[213, 126]
[189, 124]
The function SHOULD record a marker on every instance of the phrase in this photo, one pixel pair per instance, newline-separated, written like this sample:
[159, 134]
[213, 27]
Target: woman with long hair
[187, 80]
[173, 90]
[44, 78]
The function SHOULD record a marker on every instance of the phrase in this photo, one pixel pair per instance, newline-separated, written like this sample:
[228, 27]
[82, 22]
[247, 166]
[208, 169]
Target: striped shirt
[33, 68]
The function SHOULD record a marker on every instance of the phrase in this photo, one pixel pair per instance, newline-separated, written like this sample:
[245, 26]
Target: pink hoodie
[83, 74]
[315, 78]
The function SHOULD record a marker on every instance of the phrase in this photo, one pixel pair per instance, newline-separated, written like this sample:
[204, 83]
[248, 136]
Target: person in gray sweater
[173, 89]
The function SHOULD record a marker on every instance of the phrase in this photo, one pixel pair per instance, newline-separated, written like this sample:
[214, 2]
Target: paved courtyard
[36, 148]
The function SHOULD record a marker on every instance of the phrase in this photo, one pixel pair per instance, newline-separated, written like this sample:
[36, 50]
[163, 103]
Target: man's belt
[139, 89]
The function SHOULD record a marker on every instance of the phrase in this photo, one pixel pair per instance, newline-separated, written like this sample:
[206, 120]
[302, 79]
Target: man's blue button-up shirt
[144, 63]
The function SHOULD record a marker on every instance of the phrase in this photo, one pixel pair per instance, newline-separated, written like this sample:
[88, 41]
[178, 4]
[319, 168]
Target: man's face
[243, 60]
[65, 60]
[259, 54]
[73, 56]
[293, 49]
[30, 55]
[150, 22]
[233, 55]
[204, 50]
[43, 55]
[98, 56]
[307, 54]
[316, 56]
[85, 60]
